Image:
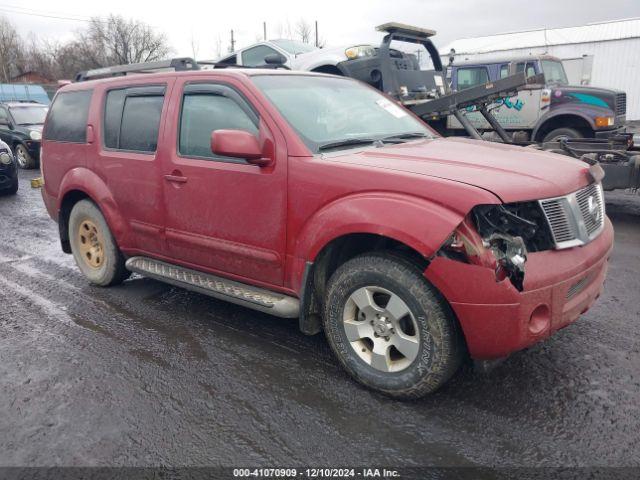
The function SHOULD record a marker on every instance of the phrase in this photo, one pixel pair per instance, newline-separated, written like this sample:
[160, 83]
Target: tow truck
[429, 95]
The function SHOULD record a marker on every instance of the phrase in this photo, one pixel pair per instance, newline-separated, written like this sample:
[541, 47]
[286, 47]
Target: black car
[21, 128]
[8, 171]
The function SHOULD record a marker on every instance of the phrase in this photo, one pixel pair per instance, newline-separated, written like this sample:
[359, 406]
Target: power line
[4, 8]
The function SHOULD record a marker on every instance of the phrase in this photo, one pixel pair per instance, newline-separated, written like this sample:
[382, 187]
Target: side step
[222, 288]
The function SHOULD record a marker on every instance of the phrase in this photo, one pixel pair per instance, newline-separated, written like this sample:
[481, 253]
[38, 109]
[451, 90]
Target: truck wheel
[93, 246]
[23, 159]
[390, 329]
[562, 134]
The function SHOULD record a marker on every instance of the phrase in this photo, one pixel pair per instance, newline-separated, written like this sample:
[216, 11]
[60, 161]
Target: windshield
[29, 115]
[294, 47]
[326, 110]
[554, 72]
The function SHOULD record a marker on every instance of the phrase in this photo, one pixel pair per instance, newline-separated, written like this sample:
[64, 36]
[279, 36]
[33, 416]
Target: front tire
[12, 190]
[562, 134]
[390, 329]
[93, 246]
[23, 158]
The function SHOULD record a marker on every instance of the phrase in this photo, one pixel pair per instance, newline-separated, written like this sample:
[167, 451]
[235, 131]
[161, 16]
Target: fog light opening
[540, 319]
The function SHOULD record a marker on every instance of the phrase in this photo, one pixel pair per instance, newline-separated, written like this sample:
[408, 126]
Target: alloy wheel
[381, 329]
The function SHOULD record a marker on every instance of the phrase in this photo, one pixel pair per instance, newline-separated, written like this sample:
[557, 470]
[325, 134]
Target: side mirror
[238, 144]
[275, 59]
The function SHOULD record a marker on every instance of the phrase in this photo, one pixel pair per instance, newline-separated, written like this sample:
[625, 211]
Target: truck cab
[546, 113]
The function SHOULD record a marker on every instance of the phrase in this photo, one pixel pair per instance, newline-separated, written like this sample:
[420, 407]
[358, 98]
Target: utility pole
[316, 33]
[232, 48]
[264, 29]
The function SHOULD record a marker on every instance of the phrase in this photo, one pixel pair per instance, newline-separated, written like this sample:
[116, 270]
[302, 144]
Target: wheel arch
[79, 184]
[367, 223]
[573, 120]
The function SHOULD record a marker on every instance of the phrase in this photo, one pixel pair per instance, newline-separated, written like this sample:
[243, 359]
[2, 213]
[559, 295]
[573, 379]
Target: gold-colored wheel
[91, 243]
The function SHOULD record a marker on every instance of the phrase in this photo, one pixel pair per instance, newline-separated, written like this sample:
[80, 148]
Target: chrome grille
[621, 104]
[577, 218]
[591, 206]
[558, 215]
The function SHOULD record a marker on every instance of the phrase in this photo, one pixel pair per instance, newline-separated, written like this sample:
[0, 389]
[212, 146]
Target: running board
[221, 288]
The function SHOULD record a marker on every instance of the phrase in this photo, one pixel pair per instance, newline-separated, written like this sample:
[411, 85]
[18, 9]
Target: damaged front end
[500, 237]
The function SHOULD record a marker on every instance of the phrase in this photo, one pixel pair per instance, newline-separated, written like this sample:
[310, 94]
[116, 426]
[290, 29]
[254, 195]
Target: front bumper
[497, 320]
[8, 176]
[610, 133]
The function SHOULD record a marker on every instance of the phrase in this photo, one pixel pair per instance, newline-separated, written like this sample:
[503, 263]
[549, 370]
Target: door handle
[175, 178]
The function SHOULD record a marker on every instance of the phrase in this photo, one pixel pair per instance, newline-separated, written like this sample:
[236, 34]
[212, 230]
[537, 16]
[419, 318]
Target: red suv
[315, 197]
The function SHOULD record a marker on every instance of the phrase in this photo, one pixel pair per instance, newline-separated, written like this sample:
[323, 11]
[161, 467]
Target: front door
[223, 214]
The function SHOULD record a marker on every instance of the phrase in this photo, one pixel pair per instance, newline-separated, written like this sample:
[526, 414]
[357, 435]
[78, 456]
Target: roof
[593, 32]
[151, 77]
[503, 59]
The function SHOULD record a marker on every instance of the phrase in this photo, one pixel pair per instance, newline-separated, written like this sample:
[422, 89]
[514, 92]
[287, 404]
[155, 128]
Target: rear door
[127, 160]
[224, 214]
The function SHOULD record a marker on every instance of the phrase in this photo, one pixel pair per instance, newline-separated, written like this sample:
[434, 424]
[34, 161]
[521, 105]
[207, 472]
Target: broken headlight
[500, 237]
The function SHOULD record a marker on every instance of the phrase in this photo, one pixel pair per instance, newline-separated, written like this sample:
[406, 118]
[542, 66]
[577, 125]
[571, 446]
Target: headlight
[35, 135]
[5, 158]
[604, 121]
[359, 51]
[500, 237]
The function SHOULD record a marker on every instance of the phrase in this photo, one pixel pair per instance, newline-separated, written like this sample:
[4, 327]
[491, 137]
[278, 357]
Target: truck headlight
[359, 51]
[604, 121]
[35, 135]
[5, 158]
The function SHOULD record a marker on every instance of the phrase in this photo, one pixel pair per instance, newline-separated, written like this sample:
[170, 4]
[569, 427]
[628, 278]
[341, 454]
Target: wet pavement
[148, 374]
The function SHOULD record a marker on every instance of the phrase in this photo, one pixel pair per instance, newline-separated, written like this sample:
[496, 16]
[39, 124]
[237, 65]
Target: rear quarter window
[67, 119]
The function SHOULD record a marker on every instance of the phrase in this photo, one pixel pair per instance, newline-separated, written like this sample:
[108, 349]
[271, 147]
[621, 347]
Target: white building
[603, 54]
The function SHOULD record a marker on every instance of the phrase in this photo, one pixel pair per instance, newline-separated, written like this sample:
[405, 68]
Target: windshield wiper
[404, 136]
[347, 143]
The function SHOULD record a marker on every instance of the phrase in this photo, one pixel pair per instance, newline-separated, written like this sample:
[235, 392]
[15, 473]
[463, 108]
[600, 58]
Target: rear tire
[561, 134]
[93, 246]
[390, 329]
[23, 158]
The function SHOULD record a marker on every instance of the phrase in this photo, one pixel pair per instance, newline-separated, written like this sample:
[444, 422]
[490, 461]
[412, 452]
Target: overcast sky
[341, 22]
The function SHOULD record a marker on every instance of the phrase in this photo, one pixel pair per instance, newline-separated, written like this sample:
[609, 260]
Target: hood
[510, 172]
[586, 96]
[321, 57]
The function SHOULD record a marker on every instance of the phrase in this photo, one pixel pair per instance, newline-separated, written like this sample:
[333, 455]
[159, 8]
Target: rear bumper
[497, 320]
[50, 202]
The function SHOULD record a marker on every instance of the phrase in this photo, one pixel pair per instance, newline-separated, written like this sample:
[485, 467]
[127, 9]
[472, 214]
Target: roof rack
[175, 64]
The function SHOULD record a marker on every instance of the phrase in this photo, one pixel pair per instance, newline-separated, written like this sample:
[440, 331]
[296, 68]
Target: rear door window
[67, 119]
[132, 118]
[471, 76]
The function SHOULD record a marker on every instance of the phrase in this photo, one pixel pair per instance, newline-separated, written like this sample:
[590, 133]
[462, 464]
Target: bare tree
[119, 41]
[195, 46]
[218, 46]
[304, 30]
[11, 51]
